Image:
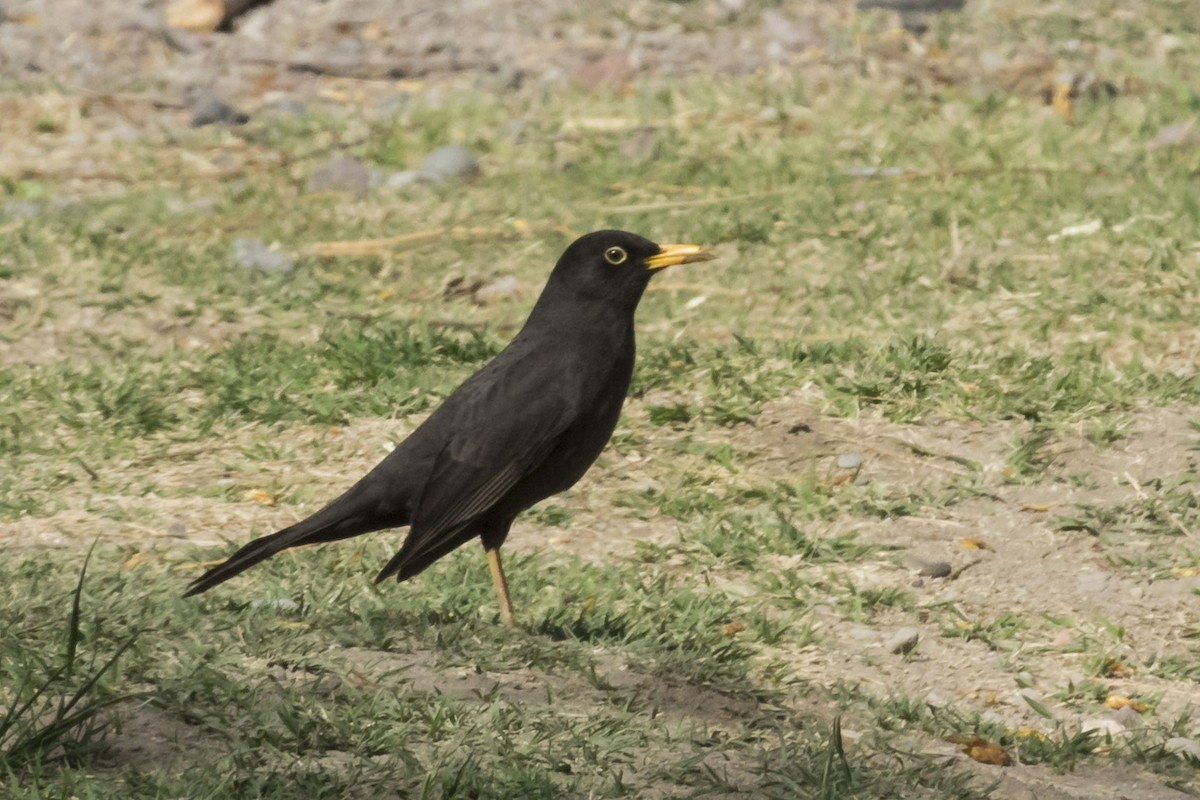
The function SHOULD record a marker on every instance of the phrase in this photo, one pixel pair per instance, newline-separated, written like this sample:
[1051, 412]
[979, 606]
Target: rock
[253, 254]
[123, 132]
[934, 569]
[1127, 717]
[499, 289]
[19, 209]
[849, 461]
[787, 34]
[1091, 582]
[1183, 747]
[208, 109]
[285, 107]
[903, 641]
[409, 177]
[340, 174]
[279, 603]
[911, 6]
[451, 161]
[611, 69]
[1106, 726]
[1175, 134]
[641, 145]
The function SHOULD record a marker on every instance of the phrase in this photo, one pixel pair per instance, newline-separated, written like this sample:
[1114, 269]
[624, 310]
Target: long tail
[356, 512]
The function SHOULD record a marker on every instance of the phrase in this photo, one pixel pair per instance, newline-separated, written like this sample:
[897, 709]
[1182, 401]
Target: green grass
[892, 262]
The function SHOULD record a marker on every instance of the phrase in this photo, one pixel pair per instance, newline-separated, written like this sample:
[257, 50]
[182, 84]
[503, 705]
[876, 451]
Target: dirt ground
[1006, 553]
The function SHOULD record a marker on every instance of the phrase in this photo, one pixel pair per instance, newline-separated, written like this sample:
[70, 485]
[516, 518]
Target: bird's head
[612, 268]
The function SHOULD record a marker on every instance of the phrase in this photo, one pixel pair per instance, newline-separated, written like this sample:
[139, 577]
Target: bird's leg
[497, 569]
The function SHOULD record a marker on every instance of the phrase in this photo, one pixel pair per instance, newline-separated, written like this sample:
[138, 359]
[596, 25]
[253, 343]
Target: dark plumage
[526, 426]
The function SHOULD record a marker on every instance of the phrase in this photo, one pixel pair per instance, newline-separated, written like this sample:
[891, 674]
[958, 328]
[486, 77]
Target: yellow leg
[506, 609]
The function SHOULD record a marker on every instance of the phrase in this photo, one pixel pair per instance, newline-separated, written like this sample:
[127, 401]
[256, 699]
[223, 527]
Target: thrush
[524, 427]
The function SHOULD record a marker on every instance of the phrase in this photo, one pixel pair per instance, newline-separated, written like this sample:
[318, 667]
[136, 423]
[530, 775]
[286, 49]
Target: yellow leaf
[1115, 669]
[136, 560]
[293, 625]
[1062, 101]
[1118, 701]
[199, 16]
[1036, 508]
[983, 751]
[258, 496]
[1185, 572]
[1030, 733]
[974, 543]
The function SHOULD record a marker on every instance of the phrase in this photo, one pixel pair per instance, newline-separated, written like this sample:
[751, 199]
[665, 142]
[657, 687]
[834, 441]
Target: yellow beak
[671, 254]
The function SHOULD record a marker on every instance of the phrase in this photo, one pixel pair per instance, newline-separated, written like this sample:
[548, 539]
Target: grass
[903, 279]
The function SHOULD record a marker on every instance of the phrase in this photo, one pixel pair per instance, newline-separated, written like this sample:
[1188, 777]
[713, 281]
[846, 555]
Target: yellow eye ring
[615, 255]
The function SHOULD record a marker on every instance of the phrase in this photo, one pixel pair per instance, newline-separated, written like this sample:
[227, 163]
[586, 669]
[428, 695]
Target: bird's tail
[350, 515]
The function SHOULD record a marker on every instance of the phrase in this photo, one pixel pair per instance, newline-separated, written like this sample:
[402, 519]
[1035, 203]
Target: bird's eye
[615, 255]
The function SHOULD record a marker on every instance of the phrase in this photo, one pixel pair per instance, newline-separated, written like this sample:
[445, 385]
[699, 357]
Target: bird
[526, 426]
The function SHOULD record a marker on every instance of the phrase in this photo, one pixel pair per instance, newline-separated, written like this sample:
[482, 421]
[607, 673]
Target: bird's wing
[508, 434]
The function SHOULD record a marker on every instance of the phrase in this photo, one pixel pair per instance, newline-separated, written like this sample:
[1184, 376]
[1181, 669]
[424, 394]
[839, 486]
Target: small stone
[253, 254]
[935, 569]
[209, 109]
[19, 209]
[451, 161]
[123, 132]
[641, 145]
[1103, 725]
[849, 461]
[177, 529]
[285, 107]
[1183, 747]
[278, 603]
[391, 105]
[1127, 717]
[903, 641]
[1091, 582]
[340, 174]
[408, 177]
[499, 289]
[611, 69]
[769, 114]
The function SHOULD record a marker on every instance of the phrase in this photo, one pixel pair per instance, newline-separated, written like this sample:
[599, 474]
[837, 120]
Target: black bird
[526, 426]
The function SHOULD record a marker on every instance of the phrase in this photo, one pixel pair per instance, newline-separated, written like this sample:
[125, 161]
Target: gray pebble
[340, 174]
[285, 107]
[903, 641]
[1183, 746]
[1091, 582]
[253, 254]
[451, 161]
[208, 109]
[499, 289]
[20, 209]
[279, 603]
[1104, 726]
[641, 145]
[123, 132]
[935, 569]
[849, 461]
[913, 5]
[408, 177]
